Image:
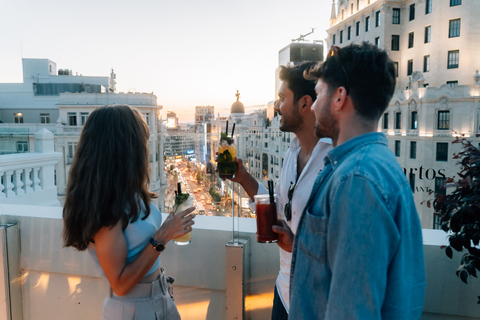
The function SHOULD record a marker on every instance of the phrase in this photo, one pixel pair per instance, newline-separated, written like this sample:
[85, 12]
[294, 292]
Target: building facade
[61, 102]
[434, 46]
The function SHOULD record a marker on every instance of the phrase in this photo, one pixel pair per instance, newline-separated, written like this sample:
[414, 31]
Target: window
[367, 24]
[385, 120]
[333, 39]
[428, 34]
[426, 63]
[358, 5]
[22, 146]
[452, 84]
[342, 14]
[437, 223]
[44, 117]
[453, 57]
[439, 183]
[72, 147]
[410, 39]
[396, 16]
[72, 119]
[377, 19]
[443, 121]
[412, 12]
[398, 120]
[349, 32]
[377, 41]
[351, 8]
[357, 26]
[454, 28]
[395, 64]
[412, 181]
[18, 117]
[341, 36]
[442, 151]
[428, 6]
[413, 150]
[83, 117]
[455, 3]
[147, 118]
[414, 120]
[409, 67]
[397, 148]
[395, 42]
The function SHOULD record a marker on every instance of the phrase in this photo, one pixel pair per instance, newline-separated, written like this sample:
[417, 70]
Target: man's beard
[293, 123]
[327, 125]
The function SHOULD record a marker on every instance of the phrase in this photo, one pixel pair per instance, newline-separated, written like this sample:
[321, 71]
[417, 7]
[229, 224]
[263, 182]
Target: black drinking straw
[233, 129]
[270, 191]
[226, 128]
[179, 188]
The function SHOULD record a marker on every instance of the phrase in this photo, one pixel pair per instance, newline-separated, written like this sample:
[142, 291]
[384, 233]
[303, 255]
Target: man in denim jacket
[358, 250]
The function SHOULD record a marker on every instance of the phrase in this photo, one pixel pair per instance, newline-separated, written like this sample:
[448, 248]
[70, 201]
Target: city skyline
[187, 53]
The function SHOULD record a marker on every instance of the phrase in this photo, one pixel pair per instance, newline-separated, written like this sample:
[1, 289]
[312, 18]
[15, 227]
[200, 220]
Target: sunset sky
[187, 52]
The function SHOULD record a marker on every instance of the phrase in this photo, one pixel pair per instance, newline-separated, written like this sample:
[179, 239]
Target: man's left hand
[285, 235]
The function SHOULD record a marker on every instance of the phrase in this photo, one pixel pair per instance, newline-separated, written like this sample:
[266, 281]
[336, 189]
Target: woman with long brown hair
[108, 211]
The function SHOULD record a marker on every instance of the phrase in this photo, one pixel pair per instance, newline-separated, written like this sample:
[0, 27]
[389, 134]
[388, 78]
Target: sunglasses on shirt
[288, 207]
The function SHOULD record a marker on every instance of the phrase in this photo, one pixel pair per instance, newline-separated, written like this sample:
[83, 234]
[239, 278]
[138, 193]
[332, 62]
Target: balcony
[61, 283]
[29, 177]
[52, 282]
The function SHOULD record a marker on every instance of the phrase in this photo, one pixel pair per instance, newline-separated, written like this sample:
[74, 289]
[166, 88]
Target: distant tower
[113, 81]
[172, 120]
[333, 15]
[237, 107]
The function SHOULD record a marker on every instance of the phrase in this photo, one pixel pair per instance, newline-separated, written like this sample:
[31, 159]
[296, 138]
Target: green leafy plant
[181, 198]
[215, 196]
[459, 211]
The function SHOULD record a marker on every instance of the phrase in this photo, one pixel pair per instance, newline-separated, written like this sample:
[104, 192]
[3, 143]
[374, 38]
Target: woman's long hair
[109, 176]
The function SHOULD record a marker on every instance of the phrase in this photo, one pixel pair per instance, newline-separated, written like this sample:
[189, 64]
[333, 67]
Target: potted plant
[459, 211]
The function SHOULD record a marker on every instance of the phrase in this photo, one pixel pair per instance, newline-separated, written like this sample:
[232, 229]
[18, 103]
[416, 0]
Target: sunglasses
[334, 53]
[288, 207]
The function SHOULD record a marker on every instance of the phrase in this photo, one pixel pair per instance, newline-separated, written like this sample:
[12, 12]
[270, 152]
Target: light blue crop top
[138, 235]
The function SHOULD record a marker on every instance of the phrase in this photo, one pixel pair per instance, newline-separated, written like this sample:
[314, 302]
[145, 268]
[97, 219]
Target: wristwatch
[159, 247]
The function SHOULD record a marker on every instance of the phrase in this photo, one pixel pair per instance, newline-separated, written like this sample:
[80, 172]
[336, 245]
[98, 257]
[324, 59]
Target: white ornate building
[61, 103]
[435, 46]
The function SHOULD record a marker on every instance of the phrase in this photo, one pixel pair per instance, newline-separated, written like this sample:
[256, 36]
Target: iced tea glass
[266, 218]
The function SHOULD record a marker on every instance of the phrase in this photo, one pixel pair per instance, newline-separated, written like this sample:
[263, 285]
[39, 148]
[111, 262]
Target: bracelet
[170, 279]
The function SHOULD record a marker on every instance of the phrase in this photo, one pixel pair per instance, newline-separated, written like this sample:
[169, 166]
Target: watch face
[157, 246]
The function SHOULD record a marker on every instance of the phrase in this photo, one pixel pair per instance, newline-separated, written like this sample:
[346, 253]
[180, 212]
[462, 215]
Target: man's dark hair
[297, 82]
[371, 77]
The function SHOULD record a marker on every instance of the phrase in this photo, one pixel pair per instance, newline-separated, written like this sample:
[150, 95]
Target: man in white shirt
[303, 161]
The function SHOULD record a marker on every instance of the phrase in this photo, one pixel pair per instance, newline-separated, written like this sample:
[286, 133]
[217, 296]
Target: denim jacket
[358, 251]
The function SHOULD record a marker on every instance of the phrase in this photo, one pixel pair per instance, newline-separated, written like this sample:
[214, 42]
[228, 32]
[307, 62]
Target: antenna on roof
[302, 36]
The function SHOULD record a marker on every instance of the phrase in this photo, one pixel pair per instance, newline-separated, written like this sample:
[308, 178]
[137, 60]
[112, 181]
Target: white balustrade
[18, 183]
[36, 179]
[8, 184]
[2, 194]
[27, 181]
[28, 178]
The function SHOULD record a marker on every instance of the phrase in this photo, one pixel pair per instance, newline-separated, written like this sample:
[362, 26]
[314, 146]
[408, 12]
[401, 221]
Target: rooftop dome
[237, 106]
